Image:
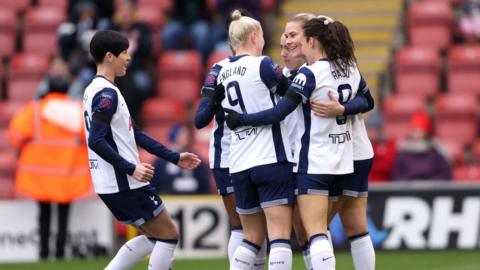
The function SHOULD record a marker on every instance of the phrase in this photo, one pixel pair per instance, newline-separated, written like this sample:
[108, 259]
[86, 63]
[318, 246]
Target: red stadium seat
[159, 132]
[417, 71]
[7, 110]
[163, 111]
[29, 65]
[455, 150]
[44, 19]
[22, 90]
[8, 20]
[8, 160]
[146, 156]
[183, 89]
[7, 185]
[153, 16]
[463, 69]
[467, 173]
[454, 113]
[180, 64]
[216, 57]
[16, 5]
[397, 111]
[45, 43]
[61, 4]
[476, 149]
[7, 46]
[429, 24]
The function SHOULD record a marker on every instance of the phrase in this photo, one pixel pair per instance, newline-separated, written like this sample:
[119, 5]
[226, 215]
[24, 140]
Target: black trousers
[44, 224]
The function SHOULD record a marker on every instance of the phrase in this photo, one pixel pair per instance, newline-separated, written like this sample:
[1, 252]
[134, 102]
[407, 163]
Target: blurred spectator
[469, 20]
[52, 166]
[104, 8]
[189, 22]
[136, 85]
[419, 156]
[171, 179]
[384, 149]
[75, 36]
[60, 68]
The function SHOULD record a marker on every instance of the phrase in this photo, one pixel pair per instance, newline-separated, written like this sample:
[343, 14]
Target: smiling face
[294, 35]
[290, 58]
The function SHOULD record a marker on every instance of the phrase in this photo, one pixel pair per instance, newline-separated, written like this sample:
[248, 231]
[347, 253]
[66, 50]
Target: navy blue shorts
[223, 181]
[354, 184]
[134, 206]
[263, 186]
[318, 184]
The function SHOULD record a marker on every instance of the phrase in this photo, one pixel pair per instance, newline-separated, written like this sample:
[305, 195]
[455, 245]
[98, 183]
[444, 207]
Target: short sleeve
[104, 104]
[270, 73]
[303, 83]
[211, 79]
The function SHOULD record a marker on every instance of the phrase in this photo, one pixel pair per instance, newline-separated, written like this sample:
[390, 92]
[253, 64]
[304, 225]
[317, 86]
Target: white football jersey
[323, 145]
[220, 137]
[106, 179]
[290, 120]
[250, 83]
[362, 147]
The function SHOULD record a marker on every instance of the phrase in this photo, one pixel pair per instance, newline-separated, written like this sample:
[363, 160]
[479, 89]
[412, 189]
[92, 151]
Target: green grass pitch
[411, 260]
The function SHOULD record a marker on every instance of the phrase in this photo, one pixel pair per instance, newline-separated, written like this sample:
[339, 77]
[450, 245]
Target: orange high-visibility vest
[53, 161]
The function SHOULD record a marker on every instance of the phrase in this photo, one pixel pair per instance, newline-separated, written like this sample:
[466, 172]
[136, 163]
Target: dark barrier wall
[420, 215]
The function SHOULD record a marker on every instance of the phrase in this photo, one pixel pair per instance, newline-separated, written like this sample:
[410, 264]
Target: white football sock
[329, 235]
[363, 253]
[244, 256]
[280, 255]
[162, 255]
[306, 257]
[259, 263]
[321, 253]
[236, 237]
[131, 253]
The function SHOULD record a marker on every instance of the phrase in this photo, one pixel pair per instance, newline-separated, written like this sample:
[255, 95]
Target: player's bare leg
[157, 230]
[313, 212]
[353, 214]
[254, 230]
[302, 237]
[279, 228]
[163, 231]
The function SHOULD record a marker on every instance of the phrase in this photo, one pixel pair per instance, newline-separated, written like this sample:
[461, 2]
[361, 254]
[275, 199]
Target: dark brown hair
[335, 40]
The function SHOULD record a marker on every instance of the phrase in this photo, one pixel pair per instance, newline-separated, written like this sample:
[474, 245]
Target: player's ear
[108, 57]
[254, 37]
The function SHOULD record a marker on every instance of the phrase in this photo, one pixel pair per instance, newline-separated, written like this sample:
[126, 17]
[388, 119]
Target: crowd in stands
[436, 73]
[172, 44]
[435, 89]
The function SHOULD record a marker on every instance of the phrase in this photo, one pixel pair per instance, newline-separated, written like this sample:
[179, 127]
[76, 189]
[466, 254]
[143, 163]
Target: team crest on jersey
[299, 81]
[210, 79]
[105, 102]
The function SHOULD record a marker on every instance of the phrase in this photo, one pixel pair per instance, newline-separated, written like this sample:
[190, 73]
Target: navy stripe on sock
[355, 237]
[318, 235]
[251, 245]
[169, 241]
[280, 243]
[236, 228]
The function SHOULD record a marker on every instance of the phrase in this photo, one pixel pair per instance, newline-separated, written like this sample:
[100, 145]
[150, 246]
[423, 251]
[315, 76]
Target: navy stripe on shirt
[277, 137]
[303, 159]
[270, 73]
[217, 139]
